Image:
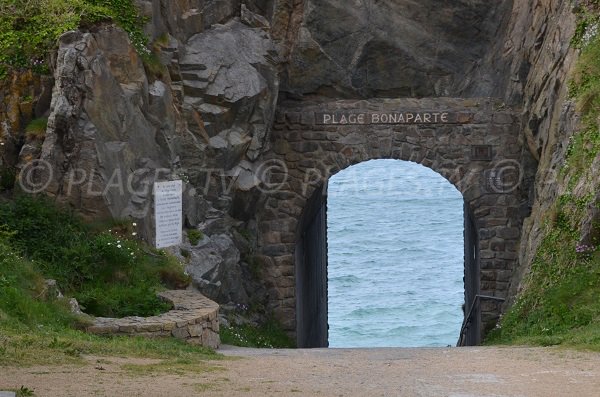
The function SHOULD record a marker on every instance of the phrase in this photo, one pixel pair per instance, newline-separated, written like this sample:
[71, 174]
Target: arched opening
[398, 252]
[395, 257]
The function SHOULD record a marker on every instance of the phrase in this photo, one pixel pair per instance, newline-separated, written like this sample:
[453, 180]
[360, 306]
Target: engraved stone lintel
[340, 118]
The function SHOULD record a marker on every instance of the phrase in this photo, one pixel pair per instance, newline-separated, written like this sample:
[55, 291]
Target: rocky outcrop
[537, 67]
[24, 97]
[114, 129]
[101, 131]
[230, 87]
[118, 124]
[391, 48]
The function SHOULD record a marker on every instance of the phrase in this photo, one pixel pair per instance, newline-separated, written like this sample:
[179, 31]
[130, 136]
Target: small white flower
[134, 224]
[119, 246]
[109, 243]
[134, 234]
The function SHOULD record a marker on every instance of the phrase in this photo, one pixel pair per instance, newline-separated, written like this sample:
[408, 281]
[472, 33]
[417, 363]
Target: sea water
[395, 236]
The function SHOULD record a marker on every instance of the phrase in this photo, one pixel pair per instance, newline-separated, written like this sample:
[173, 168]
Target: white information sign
[168, 213]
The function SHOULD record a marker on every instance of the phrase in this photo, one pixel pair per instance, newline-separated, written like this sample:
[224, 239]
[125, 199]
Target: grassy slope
[560, 304]
[36, 240]
[106, 268]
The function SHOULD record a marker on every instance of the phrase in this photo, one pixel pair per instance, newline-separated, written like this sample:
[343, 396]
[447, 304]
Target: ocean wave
[395, 237]
[349, 279]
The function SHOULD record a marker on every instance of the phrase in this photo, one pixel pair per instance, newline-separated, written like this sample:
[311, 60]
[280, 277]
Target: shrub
[8, 177]
[29, 29]
[194, 236]
[110, 274]
[20, 284]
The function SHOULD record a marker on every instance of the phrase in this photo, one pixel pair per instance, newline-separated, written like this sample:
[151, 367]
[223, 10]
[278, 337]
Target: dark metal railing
[467, 320]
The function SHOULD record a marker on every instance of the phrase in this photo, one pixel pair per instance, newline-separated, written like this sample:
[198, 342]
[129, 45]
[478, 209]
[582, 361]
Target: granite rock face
[537, 68]
[115, 129]
[366, 48]
[115, 126]
[229, 79]
[214, 268]
[24, 97]
[101, 134]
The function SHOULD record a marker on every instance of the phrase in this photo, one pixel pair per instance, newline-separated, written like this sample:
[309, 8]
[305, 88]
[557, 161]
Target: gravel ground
[466, 372]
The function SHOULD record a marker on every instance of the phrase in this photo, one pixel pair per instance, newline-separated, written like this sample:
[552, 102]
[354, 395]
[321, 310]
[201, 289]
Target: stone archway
[473, 143]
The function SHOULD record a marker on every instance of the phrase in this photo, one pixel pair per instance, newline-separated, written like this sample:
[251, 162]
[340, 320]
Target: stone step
[196, 75]
[194, 88]
[191, 66]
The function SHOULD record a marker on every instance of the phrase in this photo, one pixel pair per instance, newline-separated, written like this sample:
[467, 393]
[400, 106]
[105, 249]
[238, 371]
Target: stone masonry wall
[194, 318]
[479, 151]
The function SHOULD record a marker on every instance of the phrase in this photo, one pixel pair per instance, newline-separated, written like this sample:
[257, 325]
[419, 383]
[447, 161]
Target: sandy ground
[468, 372]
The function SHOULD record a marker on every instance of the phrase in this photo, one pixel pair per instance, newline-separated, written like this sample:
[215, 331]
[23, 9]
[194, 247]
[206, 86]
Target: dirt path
[476, 372]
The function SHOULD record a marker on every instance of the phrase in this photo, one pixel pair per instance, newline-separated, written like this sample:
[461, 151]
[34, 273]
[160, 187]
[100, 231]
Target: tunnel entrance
[312, 282]
[472, 144]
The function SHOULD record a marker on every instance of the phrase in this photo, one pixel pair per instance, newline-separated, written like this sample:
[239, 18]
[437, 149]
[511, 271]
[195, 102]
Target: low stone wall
[194, 318]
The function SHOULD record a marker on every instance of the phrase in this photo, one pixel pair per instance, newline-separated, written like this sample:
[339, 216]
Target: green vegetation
[560, 304]
[195, 235]
[584, 88]
[109, 272]
[39, 241]
[588, 17]
[177, 366]
[36, 129]
[58, 344]
[29, 29]
[269, 335]
[24, 392]
[8, 177]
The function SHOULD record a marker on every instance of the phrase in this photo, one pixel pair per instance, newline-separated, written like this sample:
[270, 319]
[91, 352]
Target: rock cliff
[205, 114]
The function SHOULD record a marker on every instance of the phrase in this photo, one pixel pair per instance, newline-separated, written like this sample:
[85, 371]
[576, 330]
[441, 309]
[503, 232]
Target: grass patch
[269, 335]
[36, 129]
[24, 392]
[25, 346]
[111, 274]
[29, 29]
[173, 366]
[37, 239]
[195, 236]
[560, 304]
[218, 384]
[8, 178]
